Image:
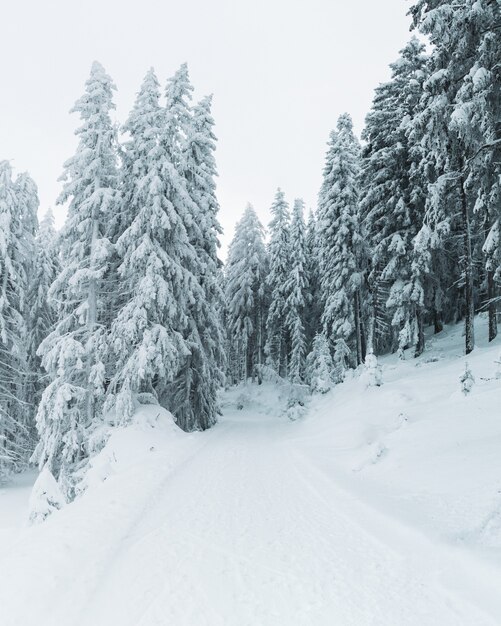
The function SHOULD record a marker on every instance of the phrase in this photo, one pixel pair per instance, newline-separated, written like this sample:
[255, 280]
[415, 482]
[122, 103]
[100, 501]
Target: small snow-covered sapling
[467, 380]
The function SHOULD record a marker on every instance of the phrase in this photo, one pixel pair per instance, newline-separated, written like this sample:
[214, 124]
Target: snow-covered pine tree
[454, 135]
[42, 312]
[319, 366]
[392, 199]
[246, 297]
[298, 294]
[341, 247]
[277, 335]
[193, 395]
[72, 354]
[18, 206]
[147, 333]
[477, 119]
[314, 308]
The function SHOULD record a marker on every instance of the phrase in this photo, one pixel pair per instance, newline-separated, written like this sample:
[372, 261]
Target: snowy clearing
[382, 506]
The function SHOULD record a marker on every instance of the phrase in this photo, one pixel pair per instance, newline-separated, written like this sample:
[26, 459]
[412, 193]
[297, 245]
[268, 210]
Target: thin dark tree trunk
[468, 272]
[437, 322]
[492, 309]
[363, 337]
[358, 333]
[420, 333]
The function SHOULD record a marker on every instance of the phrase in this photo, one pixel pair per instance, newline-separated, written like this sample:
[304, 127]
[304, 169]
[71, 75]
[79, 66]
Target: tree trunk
[358, 333]
[491, 295]
[420, 333]
[437, 322]
[468, 272]
[91, 318]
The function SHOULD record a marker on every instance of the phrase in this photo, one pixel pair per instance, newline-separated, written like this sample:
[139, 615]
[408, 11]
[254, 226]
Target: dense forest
[130, 304]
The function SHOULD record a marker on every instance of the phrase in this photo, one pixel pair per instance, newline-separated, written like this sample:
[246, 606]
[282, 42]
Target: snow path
[246, 531]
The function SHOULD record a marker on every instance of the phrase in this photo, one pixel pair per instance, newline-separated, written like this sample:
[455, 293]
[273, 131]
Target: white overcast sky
[281, 72]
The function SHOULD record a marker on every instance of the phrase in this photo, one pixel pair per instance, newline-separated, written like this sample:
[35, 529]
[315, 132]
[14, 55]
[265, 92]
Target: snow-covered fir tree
[42, 312]
[298, 294]
[246, 297]
[454, 135]
[72, 354]
[314, 305]
[277, 328]
[147, 334]
[319, 365]
[341, 246]
[193, 395]
[392, 200]
[18, 206]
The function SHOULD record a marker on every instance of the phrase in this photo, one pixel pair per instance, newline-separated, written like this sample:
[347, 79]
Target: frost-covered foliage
[193, 393]
[73, 353]
[341, 246]
[147, 333]
[319, 366]
[42, 312]
[167, 338]
[18, 206]
[298, 295]
[46, 497]
[392, 201]
[458, 128]
[373, 376]
[279, 255]
[467, 380]
[246, 297]
[314, 308]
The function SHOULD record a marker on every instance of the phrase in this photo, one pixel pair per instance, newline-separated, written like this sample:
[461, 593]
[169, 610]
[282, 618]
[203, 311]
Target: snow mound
[46, 497]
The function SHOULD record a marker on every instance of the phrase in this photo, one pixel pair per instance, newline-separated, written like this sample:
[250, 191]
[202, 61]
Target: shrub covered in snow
[319, 366]
[296, 401]
[372, 374]
[46, 497]
[467, 380]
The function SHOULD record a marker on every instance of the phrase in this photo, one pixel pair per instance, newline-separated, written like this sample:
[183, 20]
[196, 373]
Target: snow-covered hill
[381, 506]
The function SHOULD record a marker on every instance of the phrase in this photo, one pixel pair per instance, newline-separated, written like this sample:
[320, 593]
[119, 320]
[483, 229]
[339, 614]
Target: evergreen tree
[314, 305]
[195, 388]
[277, 336]
[147, 334]
[73, 352]
[297, 289]
[392, 202]
[246, 297]
[340, 242]
[42, 313]
[18, 205]
[319, 366]
[459, 123]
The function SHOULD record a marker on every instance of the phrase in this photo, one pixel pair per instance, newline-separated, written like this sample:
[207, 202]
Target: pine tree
[314, 304]
[458, 125]
[246, 297]
[42, 313]
[297, 289]
[18, 205]
[147, 334]
[340, 241]
[319, 366]
[392, 202]
[195, 388]
[277, 336]
[73, 352]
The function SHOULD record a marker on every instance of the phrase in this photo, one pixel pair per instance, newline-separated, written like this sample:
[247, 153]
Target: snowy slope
[380, 507]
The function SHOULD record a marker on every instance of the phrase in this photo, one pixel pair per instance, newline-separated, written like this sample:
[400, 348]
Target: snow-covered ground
[381, 506]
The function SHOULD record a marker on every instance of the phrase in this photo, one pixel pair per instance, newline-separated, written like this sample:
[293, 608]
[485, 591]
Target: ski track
[247, 531]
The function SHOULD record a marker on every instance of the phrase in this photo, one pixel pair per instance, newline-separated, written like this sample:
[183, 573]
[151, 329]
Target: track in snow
[247, 532]
[238, 528]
